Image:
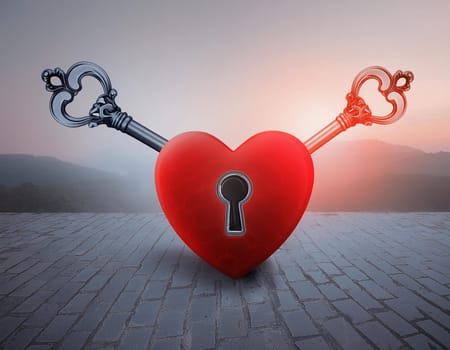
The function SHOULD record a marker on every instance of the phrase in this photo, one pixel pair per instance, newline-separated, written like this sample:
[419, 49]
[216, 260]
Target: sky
[230, 68]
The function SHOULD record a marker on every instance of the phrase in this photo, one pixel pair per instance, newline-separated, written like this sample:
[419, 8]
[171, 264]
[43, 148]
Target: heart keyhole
[234, 189]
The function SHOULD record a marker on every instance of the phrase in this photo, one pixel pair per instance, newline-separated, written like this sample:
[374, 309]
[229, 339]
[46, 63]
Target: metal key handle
[104, 111]
[358, 112]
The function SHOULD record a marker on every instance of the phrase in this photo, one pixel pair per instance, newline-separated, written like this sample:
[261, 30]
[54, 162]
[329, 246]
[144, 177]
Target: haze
[231, 68]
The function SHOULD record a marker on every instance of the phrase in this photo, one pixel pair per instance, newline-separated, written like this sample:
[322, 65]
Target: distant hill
[38, 184]
[22, 168]
[372, 175]
[364, 175]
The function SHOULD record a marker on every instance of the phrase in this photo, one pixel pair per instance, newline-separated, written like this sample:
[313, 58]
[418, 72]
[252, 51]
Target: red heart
[281, 173]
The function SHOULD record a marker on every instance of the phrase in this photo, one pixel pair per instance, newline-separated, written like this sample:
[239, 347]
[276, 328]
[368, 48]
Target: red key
[358, 112]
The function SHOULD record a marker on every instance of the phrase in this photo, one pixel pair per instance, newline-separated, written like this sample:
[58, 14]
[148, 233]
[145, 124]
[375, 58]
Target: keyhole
[234, 189]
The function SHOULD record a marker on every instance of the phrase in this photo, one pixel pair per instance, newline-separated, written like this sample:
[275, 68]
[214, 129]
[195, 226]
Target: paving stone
[204, 286]
[351, 309]
[230, 295]
[233, 344]
[42, 316]
[317, 276]
[379, 335]
[92, 316]
[125, 302]
[136, 283]
[75, 340]
[29, 287]
[78, 303]
[404, 308]
[166, 344]
[329, 269]
[183, 277]
[305, 290]
[408, 282]
[203, 309]
[96, 283]
[145, 314]
[435, 299]
[155, 290]
[253, 293]
[434, 286]
[38, 269]
[332, 292]
[203, 335]
[286, 300]
[39, 347]
[261, 315]
[85, 274]
[316, 343]
[8, 325]
[435, 275]
[177, 299]
[136, 339]
[345, 283]
[232, 323]
[33, 302]
[57, 328]
[299, 323]
[374, 289]
[435, 331]
[364, 299]
[9, 303]
[319, 309]
[254, 341]
[56, 282]
[340, 262]
[115, 285]
[384, 266]
[396, 323]
[22, 266]
[20, 339]
[112, 328]
[345, 335]
[420, 342]
[293, 273]
[354, 273]
[432, 312]
[276, 281]
[170, 323]
[66, 293]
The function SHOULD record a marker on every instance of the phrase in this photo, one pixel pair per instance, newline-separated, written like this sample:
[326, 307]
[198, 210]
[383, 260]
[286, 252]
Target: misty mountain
[23, 168]
[33, 183]
[347, 162]
[364, 175]
[372, 175]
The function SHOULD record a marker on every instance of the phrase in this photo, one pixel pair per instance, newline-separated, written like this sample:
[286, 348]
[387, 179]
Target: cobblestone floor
[119, 281]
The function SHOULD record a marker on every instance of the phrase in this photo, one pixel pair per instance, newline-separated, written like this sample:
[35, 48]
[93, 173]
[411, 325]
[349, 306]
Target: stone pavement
[121, 281]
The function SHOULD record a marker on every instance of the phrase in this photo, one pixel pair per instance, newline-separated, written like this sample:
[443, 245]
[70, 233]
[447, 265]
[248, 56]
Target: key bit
[392, 87]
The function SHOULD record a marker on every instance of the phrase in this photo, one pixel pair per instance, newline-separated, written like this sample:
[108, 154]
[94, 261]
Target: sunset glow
[228, 69]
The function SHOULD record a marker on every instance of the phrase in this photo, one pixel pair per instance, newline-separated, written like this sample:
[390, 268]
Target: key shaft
[392, 87]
